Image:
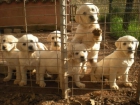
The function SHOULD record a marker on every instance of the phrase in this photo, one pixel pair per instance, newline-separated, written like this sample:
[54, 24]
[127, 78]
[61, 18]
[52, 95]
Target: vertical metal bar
[25, 16]
[138, 85]
[63, 29]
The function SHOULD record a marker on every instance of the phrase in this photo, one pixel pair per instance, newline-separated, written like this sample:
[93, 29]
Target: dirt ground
[98, 93]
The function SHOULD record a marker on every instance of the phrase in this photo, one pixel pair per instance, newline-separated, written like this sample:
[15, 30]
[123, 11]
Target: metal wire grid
[63, 27]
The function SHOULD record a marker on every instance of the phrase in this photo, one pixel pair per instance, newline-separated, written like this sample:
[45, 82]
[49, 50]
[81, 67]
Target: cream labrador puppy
[50, 61]
[55, 39]
[11, 55]
[117, 63]
[88, 31]
[29, 55]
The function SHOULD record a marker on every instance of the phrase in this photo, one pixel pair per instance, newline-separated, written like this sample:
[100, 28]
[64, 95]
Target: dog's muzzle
[130, 50]
[3, 48]
[30, 48]
[56, 44]
[92, 19]
[82, 58]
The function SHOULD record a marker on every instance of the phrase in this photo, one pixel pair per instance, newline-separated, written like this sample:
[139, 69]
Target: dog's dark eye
[52, 37]
[92, 9]
[84, 51]
[10, 42]
[132, 42]
[124, 43]
[76, 53]
[84, 13]
[59, 37]
[3, 40]
[31, 40]
[24, 44]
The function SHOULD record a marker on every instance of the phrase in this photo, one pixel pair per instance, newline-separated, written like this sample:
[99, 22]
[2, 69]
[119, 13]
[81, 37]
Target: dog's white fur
[11, 55]
[119, 62]
[29, 55]
[50, 61]
[55, 39]
[87, 18]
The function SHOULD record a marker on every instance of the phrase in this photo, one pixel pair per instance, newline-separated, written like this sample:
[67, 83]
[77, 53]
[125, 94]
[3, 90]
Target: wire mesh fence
[89, 61]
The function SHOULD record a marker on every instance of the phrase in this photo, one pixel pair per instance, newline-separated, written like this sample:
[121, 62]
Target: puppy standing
[118, 63]
[29, 56]
[50, 61]
[88, 31]
[11, 55]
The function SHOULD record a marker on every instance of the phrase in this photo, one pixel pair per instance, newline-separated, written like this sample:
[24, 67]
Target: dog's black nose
[3, 47]
[129, 48]
[30, 47]
[82, 58]
[91, 18]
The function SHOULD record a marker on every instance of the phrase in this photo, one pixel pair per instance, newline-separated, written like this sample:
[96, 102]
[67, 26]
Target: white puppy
[50, 61]
[29, 55]
[55, 39]
[118, 63]
[11, 55]
[88, 31]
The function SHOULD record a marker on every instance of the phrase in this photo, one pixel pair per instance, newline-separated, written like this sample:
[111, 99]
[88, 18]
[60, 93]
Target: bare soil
[100, 93]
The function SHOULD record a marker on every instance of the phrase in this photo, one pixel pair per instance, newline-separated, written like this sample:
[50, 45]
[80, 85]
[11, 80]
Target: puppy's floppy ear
[49, 37]
[41, 46]
[96, 8]
[118, 43]
[78, 18]
[36, 39]
[137, 43]
[19, 44]
[15, 41]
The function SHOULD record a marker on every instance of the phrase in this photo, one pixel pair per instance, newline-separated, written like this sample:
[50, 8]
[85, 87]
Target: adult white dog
[29, 55]
[50, 61]
[88, 31]
[55, 39]
[118, 63]
[11, 55]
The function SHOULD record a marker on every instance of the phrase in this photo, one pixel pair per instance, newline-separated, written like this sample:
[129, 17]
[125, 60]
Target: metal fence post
[63, 28]
[138, 85]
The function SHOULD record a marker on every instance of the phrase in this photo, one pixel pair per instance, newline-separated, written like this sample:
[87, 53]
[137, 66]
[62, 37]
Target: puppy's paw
[80, 85]
[37, 82]
[6, 79]
[16, 82]
[115, 87]
[128, 84]
[22, 83]
[97, 31]
[42, 84]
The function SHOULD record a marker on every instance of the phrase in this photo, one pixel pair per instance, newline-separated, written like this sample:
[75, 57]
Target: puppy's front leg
[41, 77]
[37, 75]
[18, 75]
[112, 79]
[23, 76]
[125, 79]
[9, 76]
[77, 81]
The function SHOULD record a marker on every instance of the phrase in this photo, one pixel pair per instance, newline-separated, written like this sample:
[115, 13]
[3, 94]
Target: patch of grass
[117, 30]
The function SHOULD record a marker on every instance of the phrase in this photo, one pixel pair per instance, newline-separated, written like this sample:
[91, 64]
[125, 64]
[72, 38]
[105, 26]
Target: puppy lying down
[50, 61]
[117, 63]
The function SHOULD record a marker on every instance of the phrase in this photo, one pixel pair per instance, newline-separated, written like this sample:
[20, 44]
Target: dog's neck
[9, 53]
[26, 54]
[91, 25]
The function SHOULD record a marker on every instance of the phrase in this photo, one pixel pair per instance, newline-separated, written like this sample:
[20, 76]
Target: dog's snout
[82, 58]
[3, 47]
[91, 18]
[30, 47]
[129, 48]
